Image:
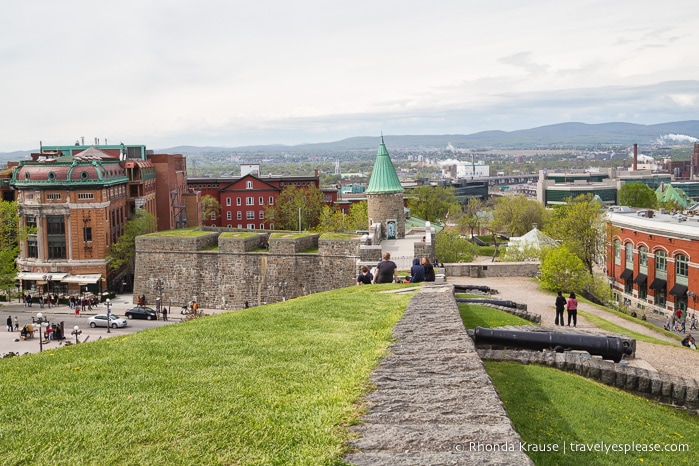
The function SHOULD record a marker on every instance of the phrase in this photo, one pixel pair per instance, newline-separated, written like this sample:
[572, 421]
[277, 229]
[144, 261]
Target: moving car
[100, 320]
[141, 312]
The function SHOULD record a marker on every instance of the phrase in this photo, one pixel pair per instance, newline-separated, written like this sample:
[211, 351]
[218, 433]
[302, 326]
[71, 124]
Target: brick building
[76, 200]
[653, 260]
[243, 200]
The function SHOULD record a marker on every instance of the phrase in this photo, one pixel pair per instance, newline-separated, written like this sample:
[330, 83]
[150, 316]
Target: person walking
[572, 306]
[560, 307]
[16, 324]
[9, 323]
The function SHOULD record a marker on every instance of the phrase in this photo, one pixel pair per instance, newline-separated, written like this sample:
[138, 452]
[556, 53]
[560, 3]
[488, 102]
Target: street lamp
[76, 331]
[43, 323]
[159, 288]
[109, 312]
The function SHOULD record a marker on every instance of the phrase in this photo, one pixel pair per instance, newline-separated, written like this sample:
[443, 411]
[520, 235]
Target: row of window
[58, 196]
[250, 215]
[251, 226]
[681, 260]
[250, 200]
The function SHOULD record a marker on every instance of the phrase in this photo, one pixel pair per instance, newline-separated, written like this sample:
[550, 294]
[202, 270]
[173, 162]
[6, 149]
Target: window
[240, 225]
[250, 214]
[629, 255]
[229, 215]
[32, 249]
[248, 185]
[262, 214]
[53, 196]
[55, 225]
[237, 201]
[87, 234]
[239, 216]
[213, 215]
[643, 259]
[681, 266]
[660, 298]
[251, 226]
[617, 252]
[83, 196]
[57, 247]
[250, 201]
[261, 200]
[228, 201]
[271, 200]
[660, 264]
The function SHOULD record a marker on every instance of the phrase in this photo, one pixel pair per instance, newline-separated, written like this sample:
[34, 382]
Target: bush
[451, 247]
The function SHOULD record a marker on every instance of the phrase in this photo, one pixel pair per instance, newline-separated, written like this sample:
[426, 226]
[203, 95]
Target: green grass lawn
[475, 315]
[550, 407]
[276, 384]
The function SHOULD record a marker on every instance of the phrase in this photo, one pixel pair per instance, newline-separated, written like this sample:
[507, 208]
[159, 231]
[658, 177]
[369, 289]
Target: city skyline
[230, 73]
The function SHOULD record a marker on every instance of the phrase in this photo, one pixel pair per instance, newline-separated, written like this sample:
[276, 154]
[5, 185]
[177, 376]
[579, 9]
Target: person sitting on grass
[689, 342]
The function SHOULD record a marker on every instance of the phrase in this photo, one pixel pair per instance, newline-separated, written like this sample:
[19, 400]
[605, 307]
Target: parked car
[141, 312]
[100, 320]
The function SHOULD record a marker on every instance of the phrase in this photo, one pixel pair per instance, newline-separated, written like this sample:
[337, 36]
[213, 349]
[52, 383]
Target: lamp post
[76, 331]
[109, 315]
[43, 322]
[159, 288]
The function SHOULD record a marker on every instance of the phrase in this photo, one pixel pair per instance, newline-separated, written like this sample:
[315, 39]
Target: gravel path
[675, 360]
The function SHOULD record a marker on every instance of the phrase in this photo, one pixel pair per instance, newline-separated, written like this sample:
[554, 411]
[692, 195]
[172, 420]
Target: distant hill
[558, 135]
[562, 135]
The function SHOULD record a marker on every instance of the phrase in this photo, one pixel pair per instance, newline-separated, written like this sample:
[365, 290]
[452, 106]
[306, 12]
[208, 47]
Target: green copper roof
[383, 176]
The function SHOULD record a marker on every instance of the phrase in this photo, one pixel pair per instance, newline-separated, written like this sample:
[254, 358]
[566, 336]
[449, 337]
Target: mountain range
[562, 135]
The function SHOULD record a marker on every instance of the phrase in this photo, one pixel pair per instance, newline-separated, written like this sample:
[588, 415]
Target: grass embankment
[270, 385]
[554, 409]
[474, 315]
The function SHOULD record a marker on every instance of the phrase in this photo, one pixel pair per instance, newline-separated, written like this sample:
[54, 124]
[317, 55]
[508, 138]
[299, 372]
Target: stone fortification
[224, 270]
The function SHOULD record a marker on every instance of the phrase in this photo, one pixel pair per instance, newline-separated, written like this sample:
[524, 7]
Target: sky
[232, 73]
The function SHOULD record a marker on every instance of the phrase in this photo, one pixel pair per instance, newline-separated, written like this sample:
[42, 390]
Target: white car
[100, 320]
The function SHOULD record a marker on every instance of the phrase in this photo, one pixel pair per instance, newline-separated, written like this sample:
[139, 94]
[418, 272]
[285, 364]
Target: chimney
[635, 157]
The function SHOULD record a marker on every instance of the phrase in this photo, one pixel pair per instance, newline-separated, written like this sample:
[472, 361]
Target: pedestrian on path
[16, 324]
[572, 310]
[560, 307]
[9, 323]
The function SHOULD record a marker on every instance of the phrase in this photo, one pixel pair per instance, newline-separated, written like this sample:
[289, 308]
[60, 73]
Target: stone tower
[385, 197]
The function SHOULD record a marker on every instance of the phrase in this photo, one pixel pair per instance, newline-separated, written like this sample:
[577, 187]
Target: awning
[658, 284]
[678, 290]
[641, 279]
[83, 279]
[55, 276]
[626, 274]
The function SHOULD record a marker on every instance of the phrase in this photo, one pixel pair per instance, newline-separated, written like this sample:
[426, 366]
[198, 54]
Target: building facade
[653, 260]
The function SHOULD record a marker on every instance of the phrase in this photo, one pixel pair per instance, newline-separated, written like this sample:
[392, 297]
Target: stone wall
[226, 277]
[679, 392]
[384, 207]
[493, 269]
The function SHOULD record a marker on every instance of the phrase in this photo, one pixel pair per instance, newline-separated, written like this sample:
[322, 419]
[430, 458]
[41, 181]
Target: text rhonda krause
[573, 447]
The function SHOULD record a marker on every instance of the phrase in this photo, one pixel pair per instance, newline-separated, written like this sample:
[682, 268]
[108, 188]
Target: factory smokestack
[635, 157]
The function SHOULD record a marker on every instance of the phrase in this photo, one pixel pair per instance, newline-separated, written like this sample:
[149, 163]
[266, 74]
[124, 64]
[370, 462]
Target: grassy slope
[268, 385]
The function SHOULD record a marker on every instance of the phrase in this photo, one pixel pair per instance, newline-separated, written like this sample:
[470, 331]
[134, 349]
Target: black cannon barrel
[462, 288]
[609, 347]
[494, 302]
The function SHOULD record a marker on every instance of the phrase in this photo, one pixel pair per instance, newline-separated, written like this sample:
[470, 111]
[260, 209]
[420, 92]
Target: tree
[331, 220]
[433, 203]
[358, 217]
[516, 215]
[296, 204]
[470, 221]
[561, 269]
[637, 195]
[451, 247]
[9, 243]
[209, 205]
[580, 226]
[122, 254]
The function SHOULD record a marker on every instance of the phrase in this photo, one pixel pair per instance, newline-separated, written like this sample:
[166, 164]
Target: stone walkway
[434, 404]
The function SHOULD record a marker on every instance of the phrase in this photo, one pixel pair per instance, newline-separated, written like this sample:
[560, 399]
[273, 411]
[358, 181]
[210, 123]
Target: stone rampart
[493, 269]
[228, 277]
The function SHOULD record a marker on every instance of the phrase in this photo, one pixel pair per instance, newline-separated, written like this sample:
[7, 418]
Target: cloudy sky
[231, 73]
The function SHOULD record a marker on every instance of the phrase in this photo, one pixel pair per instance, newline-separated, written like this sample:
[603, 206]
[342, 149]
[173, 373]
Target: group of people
[10, 325]
[571, 305]
[386, 271]
[678, 323]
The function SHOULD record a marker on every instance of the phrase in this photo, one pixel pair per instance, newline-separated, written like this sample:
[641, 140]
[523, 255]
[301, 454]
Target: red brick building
[653, 260]
[244, 200]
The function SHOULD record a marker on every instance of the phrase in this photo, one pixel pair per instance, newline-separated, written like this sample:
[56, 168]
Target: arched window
[617, 250]
[681, 266]
[629, 256]
[643, 259]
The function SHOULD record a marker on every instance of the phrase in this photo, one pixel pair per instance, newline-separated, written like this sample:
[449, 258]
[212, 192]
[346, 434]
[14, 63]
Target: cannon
[464, 288]
[609, 347]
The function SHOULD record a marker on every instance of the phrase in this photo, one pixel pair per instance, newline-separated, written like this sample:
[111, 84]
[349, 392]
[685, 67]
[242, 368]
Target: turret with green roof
[385, 196]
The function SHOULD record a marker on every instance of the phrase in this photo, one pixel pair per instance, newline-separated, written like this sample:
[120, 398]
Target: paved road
[10, 341]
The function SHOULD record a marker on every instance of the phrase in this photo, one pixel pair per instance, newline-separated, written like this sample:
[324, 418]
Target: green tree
[451, 247]
[209, 205]
[331, 220]
[561, 269]
[295, 203]
[516, 215]
[580, 226]
[122, 254]
[637, 195]
[469, 221]
[433, 202]
[9, 243]
[358, 217]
